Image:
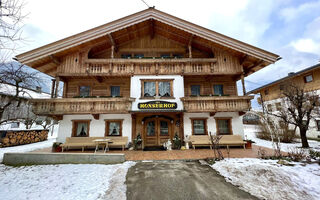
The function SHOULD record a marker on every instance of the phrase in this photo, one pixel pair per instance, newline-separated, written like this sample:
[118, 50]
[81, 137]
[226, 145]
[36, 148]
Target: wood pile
[23, 137]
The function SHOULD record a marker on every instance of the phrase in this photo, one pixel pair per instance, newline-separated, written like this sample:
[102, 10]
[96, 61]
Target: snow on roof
[7, 89]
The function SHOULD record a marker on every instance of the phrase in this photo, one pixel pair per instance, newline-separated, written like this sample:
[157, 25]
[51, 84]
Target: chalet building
[149, 73]
[271, 94]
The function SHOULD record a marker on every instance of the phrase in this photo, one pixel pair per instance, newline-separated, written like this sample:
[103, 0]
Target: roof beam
[254, 65]
[112, 42]
[243, 59]
[54, 59]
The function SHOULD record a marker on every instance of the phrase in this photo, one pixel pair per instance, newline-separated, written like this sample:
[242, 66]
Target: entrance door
[157, 131]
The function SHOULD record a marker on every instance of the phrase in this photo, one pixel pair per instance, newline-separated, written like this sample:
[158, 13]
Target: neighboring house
[24, 110]
[149, 73]
[271, 98]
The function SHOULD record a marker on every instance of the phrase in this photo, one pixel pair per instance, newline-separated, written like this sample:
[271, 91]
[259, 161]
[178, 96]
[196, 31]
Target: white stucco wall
[313, 130]
[97, 127]
[237, 126]
[178, 90]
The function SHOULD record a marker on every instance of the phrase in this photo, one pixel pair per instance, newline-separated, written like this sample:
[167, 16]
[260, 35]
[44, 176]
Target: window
[125, 55]
[80, 128]
[177, 55]
[269, 107]
[266, 92]
[195, 90]
[164, 89]
[165, 55]
[139, 55]
[318, 124]
[278, 106]
[199, 126]
[224, 126]
[114, 127]
[84, 91]
[15, 124]
[308, 78]
[164, 128]
[159, 88]
[115, 91]
[218, 89]
[149, 89]
[281, 86]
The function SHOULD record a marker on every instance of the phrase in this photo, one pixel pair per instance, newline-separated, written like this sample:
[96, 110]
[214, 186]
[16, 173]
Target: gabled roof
[151, 13]
[290, 76]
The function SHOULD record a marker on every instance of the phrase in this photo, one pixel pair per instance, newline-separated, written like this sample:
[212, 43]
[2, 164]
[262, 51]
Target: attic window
[225, 60]
[308, 78]
[76, 60]
[266, 92]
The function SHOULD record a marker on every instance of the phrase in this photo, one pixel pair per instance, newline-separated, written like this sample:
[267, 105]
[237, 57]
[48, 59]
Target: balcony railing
[128, 67]
[217, 104]
[81, 106]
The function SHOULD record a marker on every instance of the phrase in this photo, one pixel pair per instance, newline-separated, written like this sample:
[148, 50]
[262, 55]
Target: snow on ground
[268, 180]
[249, 133]
[27, 147]
[68, 181]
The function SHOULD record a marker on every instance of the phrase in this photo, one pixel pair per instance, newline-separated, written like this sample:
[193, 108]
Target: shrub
[314, 154]
[297, 154]
[285, 134]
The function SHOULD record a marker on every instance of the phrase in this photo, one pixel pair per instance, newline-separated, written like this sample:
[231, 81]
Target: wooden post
[112, 51]
[190, 51]
[243, 85]
[57, 86]
[52, 87]
[65, 87]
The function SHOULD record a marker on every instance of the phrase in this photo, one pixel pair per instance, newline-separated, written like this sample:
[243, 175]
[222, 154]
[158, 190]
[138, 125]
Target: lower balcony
[65, 106]
[217, 104]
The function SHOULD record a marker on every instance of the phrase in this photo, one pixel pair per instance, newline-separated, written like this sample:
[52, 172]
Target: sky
[289, 28]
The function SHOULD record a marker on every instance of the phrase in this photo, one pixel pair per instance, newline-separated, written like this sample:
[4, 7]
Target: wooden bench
[200, 140]
[232, 140]
[86, 142]
[226, 140]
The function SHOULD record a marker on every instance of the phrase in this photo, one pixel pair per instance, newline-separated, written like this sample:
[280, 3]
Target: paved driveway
[179, 180]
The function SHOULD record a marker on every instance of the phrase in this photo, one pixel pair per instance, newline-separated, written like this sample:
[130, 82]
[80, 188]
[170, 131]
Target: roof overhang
[151, 13]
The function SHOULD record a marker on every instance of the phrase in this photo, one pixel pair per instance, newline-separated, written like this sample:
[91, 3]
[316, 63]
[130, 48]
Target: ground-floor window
[199, 126]
[80, 128]
[114, 127]
[224, 126]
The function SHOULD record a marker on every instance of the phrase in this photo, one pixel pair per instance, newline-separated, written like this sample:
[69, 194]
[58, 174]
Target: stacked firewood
[23, 137]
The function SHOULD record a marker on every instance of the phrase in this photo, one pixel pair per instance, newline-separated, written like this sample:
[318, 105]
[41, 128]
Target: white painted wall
[97, 127]
[237, 126]
[313, 130]
[178, 90]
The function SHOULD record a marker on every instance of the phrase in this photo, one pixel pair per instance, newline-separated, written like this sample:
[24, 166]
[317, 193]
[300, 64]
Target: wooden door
[157, 131]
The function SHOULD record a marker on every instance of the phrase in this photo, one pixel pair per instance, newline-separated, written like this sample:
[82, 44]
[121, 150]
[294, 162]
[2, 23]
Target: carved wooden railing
[81, 106]
[217, 104]
[127, 67]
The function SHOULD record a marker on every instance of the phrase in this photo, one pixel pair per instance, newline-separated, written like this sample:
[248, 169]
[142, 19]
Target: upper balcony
[65, 106]
[217, 103]
[129, 67]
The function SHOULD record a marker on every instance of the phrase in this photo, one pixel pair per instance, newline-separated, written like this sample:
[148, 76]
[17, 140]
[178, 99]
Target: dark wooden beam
[57, 117]
[212, 114]
[96, 116]
[99, 79]
[113, 43]
[254, 65]
[50, 70]
[243, 59]
[241, 113]
[54, 59]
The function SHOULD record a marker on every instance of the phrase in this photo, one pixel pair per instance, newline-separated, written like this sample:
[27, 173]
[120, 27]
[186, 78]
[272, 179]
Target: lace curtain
[164, 89]
[218, 89]
[114, 128]
[149, 89]
[223, 126]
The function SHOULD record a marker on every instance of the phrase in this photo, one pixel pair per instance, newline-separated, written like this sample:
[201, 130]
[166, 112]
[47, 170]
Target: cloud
[306, 45]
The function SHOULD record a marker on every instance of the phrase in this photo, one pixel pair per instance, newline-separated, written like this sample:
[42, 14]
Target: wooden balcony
[128, 67]
[217, 104]
[67, 106]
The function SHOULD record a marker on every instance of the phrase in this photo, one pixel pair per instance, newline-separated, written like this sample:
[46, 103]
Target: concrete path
[179, 180]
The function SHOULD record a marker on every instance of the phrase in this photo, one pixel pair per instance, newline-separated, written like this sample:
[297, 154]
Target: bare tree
[298, 108]
[19, 77]
[11, 23]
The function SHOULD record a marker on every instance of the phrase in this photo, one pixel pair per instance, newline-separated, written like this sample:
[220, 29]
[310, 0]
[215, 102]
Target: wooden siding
[274, 91]
[206, 85]
[101, 88]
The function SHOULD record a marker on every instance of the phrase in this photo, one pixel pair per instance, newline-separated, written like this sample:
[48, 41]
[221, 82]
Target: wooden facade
[151, 46]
